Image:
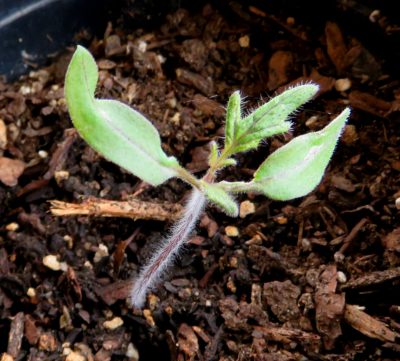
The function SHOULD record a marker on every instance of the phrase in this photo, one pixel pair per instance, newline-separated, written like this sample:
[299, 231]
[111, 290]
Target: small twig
[132, 208]
[61, 153]
[372, 279]
[350, 237]
[56, 162]
[206, 278]
[119, 252]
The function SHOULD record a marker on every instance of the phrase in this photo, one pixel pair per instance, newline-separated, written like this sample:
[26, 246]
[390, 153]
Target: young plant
[127, 138]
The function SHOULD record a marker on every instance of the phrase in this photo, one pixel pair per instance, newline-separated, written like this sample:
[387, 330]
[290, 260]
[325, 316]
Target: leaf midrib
[113, 126]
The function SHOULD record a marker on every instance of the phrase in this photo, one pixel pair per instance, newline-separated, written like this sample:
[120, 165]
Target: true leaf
[228, 162]
[295, 169]
[233, 116]
[271, 118]
[222, 199]
[214, 153]
[121, 134]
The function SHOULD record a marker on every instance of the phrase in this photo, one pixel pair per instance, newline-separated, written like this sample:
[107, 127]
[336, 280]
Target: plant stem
[152, 271]
[238, 187]
[157, 265]
[188, 177]
[215, 166]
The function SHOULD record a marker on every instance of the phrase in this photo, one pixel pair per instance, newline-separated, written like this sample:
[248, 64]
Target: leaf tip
[80, 49]
[337, 125]
[310, 89]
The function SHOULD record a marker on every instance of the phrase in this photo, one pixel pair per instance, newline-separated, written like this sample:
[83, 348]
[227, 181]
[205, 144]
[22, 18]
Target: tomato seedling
[127, 138]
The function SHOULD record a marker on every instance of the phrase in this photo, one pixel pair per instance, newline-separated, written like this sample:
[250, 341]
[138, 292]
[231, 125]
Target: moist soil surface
[315, 278]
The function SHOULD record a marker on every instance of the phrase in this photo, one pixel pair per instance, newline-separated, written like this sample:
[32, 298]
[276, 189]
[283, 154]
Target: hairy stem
[238, 187]
[188, 177]
[164, 256]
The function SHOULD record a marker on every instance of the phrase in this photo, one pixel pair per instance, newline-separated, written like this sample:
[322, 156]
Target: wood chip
[200, 156]
[15, 335]
[149, 317]
[10, 171]
[3, 135]
[18, 106]
[336, 46]
[208, 106]
[205, 85]
[32, 333]
[195, 53]
[60, 155]
[188, 341]
[369, 103]
[119, 253]
[281, 298]
[74, 283]
[209, 224]
[286, 336]
[47, 342]
[106, 64]
[113, 46]
[115, 291]
[392, 240]
[342, 183]
[329, 307]
[368, 325]
[349, 135]
[280, 66]
[200, 332]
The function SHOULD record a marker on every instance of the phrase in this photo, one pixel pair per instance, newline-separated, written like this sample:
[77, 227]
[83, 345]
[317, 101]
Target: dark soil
[312, 279]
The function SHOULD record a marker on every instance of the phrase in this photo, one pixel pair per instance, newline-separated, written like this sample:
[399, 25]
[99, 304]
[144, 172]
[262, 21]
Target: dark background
[31, 31]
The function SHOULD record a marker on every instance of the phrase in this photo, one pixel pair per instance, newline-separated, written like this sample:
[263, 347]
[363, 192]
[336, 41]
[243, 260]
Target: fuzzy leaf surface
[296, 169]
[271, 118]
[233, 117]
[121, 134]
[222, 199]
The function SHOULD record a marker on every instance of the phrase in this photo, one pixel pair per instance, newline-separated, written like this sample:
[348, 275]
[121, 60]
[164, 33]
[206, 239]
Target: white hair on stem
[165, 255]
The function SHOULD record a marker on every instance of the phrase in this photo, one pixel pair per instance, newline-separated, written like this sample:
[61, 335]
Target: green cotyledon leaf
[118, 132]
[296, 169]
[271, 118]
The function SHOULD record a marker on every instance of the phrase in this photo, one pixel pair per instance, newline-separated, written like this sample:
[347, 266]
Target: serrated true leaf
[295, 169]
[214, 153]
[222, 199]
[233, 116]
[121, 134]
[228, 162]
[271, 118]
